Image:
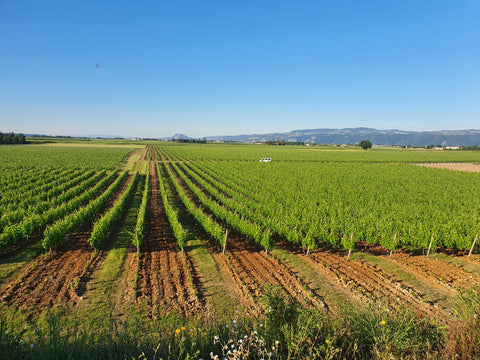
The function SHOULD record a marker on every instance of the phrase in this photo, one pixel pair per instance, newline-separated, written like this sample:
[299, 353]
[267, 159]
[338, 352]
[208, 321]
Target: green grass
[10, 265]
[216, 281]
[133, 163]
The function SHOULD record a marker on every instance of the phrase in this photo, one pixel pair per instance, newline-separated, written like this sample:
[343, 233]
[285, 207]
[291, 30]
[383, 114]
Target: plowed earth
[367, 283]
[443, 276]
[257, 270]
[52, 280]
[163, 272]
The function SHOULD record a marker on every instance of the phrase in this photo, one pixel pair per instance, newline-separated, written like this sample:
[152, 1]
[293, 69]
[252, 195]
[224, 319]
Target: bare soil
[367, 283]
[163, 276]
[257, 270]
[437, 273]
[453, 166]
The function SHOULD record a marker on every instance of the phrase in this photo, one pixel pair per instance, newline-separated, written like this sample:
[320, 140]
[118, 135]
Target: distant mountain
[180, 137]
[392, 137]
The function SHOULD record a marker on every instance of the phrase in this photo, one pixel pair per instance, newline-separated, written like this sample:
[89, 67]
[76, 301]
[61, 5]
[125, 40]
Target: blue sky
[237, 67]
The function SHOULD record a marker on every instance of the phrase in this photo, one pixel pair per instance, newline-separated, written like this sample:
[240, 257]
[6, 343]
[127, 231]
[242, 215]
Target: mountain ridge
[389, 137]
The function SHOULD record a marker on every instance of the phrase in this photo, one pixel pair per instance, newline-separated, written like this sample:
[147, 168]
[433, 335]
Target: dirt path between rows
[163, 275]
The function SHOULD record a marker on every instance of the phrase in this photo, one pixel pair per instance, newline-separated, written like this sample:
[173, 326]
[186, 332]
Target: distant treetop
[365, 144]
[11, 138]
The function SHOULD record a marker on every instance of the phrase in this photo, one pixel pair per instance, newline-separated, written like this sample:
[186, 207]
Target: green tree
[365, 144]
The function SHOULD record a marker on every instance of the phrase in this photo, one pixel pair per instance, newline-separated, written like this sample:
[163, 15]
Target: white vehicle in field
[266, 160]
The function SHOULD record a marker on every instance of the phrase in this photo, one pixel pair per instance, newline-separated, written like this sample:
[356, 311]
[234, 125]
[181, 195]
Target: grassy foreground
[286, 332]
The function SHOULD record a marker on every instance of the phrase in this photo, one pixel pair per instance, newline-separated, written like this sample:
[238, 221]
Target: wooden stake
[429, 246]
[351, 241]
[394, 243]
[138, 245]
[225, 241]
[473, 245]
[308, 249]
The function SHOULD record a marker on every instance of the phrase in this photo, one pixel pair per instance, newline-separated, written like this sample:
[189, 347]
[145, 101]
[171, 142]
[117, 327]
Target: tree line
[11, 138]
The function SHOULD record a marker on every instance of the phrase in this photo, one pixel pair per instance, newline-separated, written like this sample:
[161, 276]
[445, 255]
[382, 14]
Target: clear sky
[228, 67]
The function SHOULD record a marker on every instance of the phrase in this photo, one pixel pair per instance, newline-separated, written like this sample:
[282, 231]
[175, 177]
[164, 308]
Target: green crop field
[134, 250]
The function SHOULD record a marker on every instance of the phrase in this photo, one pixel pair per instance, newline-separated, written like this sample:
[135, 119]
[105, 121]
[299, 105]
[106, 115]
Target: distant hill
[180, 137]
[393, 137]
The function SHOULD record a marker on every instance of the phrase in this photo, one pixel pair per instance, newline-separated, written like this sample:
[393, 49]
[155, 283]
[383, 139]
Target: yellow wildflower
[383, 322]
[178, 331]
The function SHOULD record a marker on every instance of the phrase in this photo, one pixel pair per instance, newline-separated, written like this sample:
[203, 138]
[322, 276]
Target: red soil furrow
[143, 281]
[257, 270]
[166, 284]
[246, 298]
[446, 277]
[163, 276]
[128, 283]
[181, 273]
[144, 154]
[58, 272]
[260, 271]
[367, 282]
[175, 287]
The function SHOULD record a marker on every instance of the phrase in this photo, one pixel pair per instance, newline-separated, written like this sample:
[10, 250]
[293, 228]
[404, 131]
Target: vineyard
[133, 245]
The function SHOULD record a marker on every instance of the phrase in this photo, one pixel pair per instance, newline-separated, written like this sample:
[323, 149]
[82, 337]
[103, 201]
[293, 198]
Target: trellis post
[225, 241]
[473, 245]
[430, 246]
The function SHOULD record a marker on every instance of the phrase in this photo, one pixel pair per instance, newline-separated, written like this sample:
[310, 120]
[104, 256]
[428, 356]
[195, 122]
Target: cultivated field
[191, 251]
